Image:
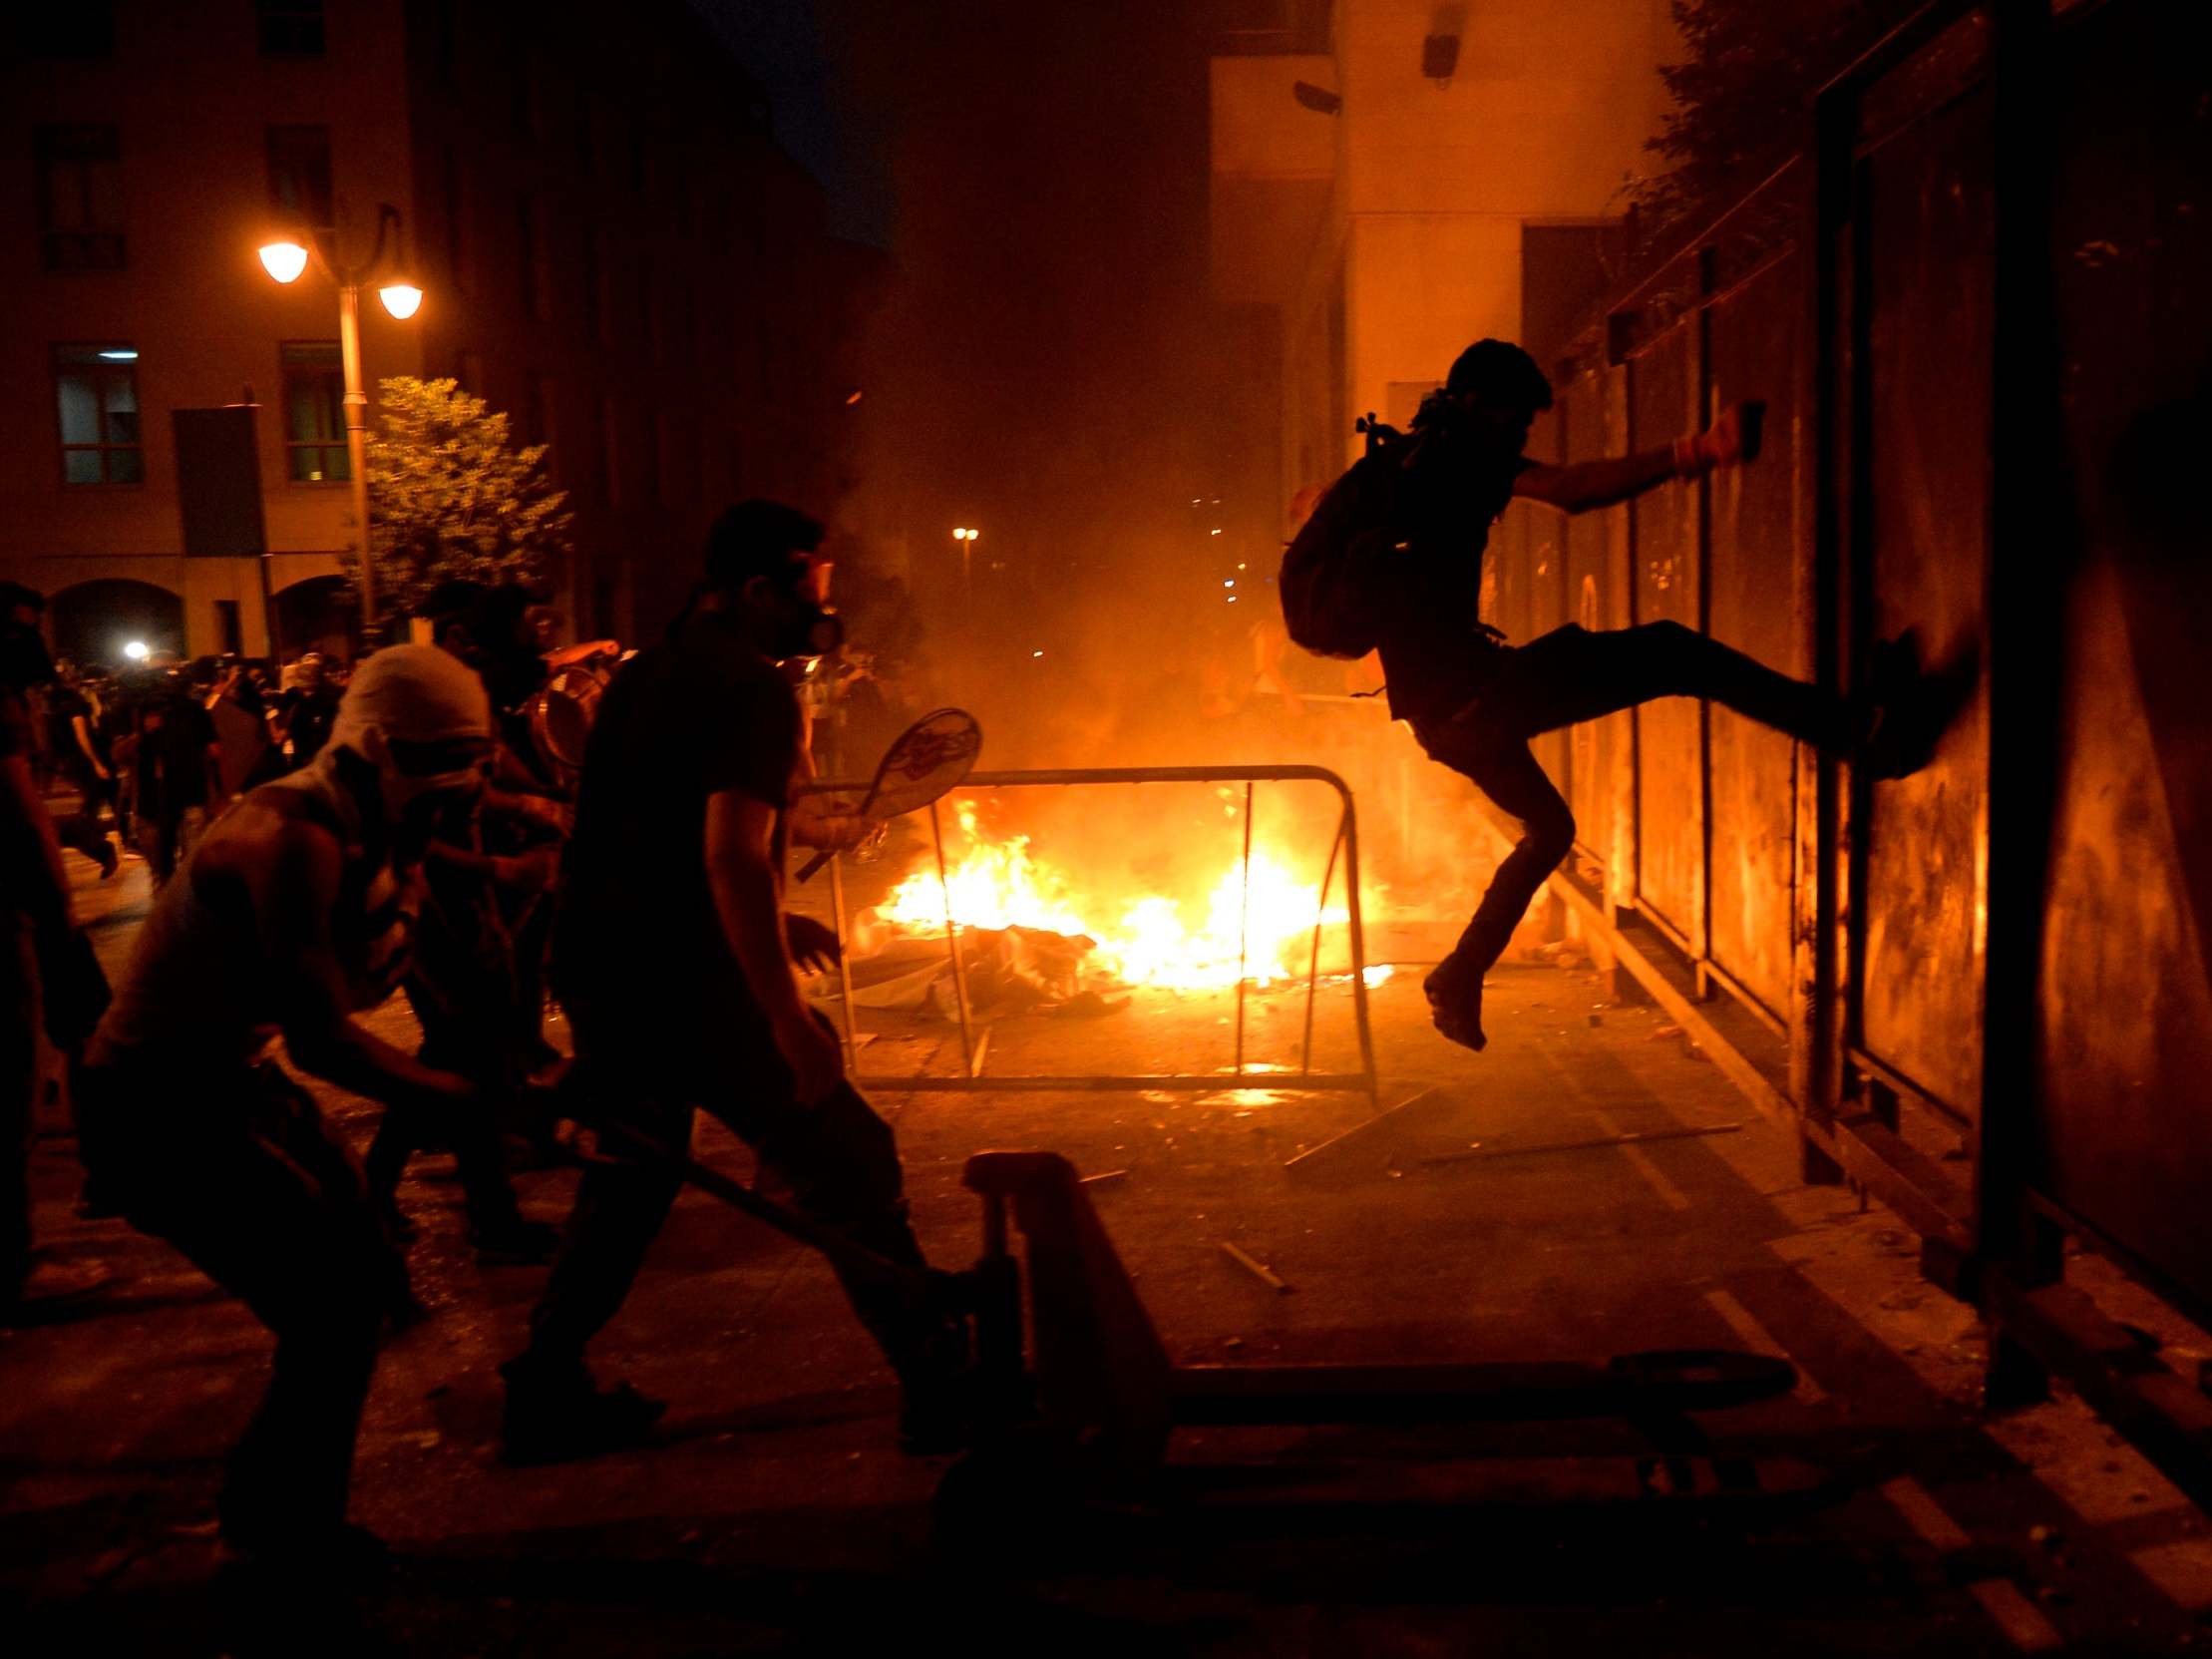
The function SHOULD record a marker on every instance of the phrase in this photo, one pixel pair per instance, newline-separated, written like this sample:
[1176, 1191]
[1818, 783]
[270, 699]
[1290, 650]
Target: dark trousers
[1570, 676]
[839, 1161]
[82, 830]
[464, 1040]
[235, 1168]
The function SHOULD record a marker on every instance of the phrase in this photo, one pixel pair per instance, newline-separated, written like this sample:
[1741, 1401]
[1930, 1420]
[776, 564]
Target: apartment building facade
[613, 248]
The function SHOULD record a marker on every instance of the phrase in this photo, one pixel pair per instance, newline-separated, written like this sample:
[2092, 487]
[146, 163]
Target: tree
[1744, 96]
[449, 497]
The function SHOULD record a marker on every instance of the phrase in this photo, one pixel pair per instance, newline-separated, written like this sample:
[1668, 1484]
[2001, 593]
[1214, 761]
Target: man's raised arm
[1579, 486]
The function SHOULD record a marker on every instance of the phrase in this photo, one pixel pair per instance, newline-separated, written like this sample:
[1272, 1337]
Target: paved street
[776, 1512]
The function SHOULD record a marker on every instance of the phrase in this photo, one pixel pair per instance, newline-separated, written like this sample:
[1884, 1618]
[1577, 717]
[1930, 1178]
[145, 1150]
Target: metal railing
[974, 1048]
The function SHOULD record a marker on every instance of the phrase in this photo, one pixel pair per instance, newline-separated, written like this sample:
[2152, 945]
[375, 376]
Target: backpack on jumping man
[1331, 583]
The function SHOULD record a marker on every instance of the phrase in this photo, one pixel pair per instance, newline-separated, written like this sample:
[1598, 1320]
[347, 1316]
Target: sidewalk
[776, 1512]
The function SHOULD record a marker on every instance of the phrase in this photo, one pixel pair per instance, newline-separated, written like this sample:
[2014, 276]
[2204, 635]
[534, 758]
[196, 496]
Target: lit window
[290, 28]
[97, 391]
[315, 413]
[80, 184]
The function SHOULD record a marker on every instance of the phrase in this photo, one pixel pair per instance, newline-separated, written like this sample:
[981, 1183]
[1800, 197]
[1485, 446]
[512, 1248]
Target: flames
[1189, 943]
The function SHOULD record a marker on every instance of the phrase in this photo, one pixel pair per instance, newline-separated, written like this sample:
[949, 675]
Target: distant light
[120, 354]
[1231, 582]
[854, 396]
[136, 650]
[1232, 599]
[402, 299]
[1036, 654]
[284, 260]
[964, 533]
[1213, 532]
[1240, 567]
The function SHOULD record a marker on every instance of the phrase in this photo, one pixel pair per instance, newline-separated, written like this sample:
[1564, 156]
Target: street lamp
[966, 539]
[284, 259]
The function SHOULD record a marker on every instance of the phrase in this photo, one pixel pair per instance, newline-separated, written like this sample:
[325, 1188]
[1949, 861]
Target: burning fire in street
[1193, 942]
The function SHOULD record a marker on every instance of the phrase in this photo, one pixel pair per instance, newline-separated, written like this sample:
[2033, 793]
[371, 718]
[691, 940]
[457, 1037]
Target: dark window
[290, 28]
[300, 175]
[96, 387]
[598, 291]
[80, 180]
[611, 459]
[538, 410]
[602, 606]
[69, 29]
[687, 198]
[228, 628]
[531, 287]
[442, 43]
[315, 413]
[456, 216]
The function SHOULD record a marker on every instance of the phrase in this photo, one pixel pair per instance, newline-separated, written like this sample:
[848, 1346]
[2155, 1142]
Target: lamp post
[966, 539]
[284, 259]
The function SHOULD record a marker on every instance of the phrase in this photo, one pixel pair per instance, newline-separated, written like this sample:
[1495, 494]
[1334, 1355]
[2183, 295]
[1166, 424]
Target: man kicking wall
[1474, 702]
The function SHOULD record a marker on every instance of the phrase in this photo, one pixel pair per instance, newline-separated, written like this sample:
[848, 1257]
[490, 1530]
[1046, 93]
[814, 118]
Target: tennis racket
[929, 758]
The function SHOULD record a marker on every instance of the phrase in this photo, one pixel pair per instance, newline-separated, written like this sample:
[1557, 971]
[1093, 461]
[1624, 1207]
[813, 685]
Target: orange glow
[1175, 943]
[402, 299]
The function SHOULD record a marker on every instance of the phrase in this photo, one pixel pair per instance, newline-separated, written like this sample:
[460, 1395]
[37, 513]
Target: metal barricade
[975, 1050]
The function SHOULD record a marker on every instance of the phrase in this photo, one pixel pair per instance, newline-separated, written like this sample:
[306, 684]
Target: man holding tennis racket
[675, 961]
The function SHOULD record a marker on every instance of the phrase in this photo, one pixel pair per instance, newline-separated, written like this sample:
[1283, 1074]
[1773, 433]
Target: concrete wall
[1416, 221]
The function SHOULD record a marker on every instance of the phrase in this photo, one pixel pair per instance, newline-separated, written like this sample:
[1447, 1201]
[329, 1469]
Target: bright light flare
[136, 650]
[284, 260]
[402, 299]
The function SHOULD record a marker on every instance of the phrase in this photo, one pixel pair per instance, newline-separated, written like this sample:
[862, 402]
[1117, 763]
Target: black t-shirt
[174, 735]
[310, 715]
[65, 706]
[1435, 658]
[683, 721]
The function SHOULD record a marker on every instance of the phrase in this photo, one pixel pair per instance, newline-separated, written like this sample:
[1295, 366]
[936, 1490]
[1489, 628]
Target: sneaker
[515, 1243]
[1455, 1004]
[560, 1418]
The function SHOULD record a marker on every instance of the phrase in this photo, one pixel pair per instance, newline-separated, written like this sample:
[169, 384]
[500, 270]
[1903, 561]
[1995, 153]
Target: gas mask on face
[806, 624]
[427, 788]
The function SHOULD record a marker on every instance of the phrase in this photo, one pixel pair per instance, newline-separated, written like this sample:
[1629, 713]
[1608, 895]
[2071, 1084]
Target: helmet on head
[422, 719]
